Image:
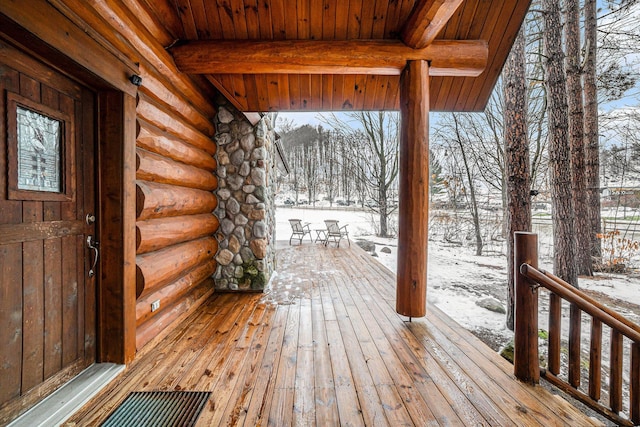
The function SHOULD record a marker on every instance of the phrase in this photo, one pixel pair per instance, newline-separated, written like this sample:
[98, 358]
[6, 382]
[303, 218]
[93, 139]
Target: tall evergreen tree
[592, 151]
[563, 215]
[576, 137]
[516, 148]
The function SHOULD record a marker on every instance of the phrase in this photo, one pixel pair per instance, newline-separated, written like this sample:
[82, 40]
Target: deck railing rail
[526, 352]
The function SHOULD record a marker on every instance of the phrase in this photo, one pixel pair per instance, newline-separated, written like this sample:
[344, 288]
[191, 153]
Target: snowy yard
[457, 279]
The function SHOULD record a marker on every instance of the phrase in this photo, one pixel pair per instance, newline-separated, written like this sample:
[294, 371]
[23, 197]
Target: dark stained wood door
[47, 299]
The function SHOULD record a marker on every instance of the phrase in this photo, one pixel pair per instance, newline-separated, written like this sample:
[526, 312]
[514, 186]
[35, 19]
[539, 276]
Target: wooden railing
[526, 358]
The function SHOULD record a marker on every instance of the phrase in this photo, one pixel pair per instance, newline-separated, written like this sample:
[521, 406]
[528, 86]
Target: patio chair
[298, 230]
[336, 233]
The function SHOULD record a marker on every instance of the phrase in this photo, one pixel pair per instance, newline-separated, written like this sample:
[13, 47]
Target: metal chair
[336, 233]
[299, 230]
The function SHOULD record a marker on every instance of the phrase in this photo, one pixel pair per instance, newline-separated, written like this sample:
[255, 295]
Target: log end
[139, 282]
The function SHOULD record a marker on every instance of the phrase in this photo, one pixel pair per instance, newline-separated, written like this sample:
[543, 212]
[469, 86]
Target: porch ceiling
[356, 23]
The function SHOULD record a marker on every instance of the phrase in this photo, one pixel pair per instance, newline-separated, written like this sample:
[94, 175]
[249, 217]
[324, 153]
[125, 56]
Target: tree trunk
[517, 170]
[592, 153]
[559, 154]
[576, 138]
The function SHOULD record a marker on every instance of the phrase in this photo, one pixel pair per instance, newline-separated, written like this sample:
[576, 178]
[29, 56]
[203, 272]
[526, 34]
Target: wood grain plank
[187, 18]
[52, 302]
[353, 23]
[595, 360]
[304, 399]
[239, 19]
[284, 383]
[394, 409]
[348, 91]
[327, 92]
[345, 391]
[303, 18]
[575, 327]
[616, 360]
[359, 92]
[251, 16]
[239, 90]
[200, 19]
[315, 27]
[329, 11]
[279, 20]
[257, 411]
[88, 169]
[232, 363]
[338, 96]
[555, 325]
[366, 19]
[370, 404]
[295, 99]
[11, 316]
[242, 394]
[226, 19]
[380, 18]
[316, 86]
[33, 302]
[342, 20]
[306, 94]
[326, 406]
[264, 17]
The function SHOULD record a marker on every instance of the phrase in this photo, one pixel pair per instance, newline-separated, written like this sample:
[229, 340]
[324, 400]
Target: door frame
[37, 28]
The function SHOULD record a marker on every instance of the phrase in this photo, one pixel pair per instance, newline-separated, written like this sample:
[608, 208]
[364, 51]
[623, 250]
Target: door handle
[93, 246]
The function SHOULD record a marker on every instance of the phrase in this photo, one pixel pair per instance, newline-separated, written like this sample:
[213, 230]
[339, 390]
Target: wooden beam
[381, 57]
[413, 213]
[426, 21]
[117, 296]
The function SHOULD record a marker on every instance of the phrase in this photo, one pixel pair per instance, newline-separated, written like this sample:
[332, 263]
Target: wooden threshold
[324, 346]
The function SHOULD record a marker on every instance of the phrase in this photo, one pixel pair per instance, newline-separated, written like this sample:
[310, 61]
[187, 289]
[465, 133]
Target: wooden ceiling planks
[339, 20]
[504, 47]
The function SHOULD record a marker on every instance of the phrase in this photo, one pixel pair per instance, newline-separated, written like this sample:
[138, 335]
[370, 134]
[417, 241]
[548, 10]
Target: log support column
[526, 364]
[411, 291]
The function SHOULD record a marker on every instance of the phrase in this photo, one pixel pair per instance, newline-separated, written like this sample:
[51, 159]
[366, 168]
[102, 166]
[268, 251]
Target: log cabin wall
[174, 159]
[246, 204]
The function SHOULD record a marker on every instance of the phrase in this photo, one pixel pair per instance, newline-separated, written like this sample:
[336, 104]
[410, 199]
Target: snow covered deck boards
[325, 347]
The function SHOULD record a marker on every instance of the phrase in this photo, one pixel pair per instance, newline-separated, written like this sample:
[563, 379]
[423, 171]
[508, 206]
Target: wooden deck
[325, 347]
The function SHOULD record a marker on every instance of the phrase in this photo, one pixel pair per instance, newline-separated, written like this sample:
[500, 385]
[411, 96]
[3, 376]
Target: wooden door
[47, 299]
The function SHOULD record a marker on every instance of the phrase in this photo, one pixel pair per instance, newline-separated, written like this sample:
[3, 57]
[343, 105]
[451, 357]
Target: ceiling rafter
[426, 21]
[380, 57]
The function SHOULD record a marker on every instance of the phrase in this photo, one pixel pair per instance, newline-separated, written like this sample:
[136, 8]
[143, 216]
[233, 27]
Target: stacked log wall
[175, 165]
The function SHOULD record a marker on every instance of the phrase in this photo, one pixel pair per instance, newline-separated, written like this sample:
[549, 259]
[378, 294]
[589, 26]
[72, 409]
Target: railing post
[525, 358]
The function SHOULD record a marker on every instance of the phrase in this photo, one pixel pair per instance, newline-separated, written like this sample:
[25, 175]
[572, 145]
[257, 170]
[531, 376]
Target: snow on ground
[457, 279]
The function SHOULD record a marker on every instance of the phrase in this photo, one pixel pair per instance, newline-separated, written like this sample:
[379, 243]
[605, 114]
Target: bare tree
[517, 164]
[373, 138]
[475, 211]
[559, 155]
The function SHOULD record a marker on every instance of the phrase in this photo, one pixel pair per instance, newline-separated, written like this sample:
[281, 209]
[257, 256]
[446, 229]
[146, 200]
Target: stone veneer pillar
[246, 206]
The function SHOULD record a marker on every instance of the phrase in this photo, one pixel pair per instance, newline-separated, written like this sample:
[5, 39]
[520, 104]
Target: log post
[525, 357]
[411, 291]
[634, 386]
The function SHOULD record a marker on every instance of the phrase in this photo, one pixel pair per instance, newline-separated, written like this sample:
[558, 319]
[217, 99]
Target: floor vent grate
[158, 409]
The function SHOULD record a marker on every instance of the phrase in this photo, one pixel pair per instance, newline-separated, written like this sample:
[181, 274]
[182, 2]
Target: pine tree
[592, 152]
[563, 215]
[576, 137]
[517, 168]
